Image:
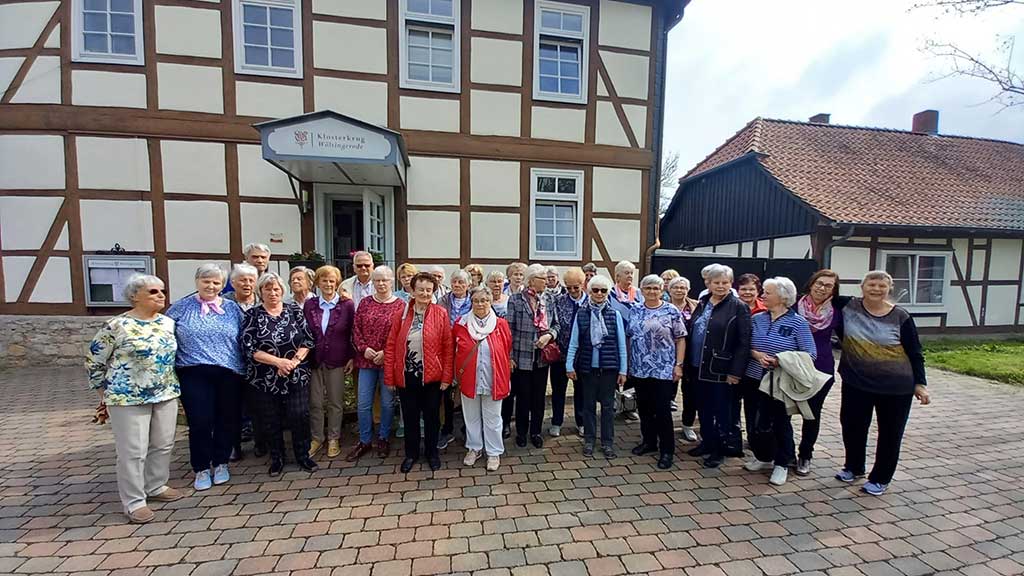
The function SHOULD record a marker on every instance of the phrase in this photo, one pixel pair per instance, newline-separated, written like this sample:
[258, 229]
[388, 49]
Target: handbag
[462, 369]
[762, 439]
[551, 353]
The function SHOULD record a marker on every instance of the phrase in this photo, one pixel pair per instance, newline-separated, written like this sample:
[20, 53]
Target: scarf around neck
[819, 317]
[208, 306]
[598, 331]
[540, 315]
[480, 328]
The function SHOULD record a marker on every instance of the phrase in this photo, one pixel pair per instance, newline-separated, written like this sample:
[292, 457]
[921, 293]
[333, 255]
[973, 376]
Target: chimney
[926, 122]
[820, 118]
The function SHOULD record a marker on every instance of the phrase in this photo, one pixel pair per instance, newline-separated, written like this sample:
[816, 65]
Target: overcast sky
[733, 60]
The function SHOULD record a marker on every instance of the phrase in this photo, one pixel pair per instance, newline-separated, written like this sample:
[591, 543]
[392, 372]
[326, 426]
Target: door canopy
[329, 147]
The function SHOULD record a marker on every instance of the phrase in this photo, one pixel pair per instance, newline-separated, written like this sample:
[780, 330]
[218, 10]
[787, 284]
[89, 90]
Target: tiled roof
[852, 174]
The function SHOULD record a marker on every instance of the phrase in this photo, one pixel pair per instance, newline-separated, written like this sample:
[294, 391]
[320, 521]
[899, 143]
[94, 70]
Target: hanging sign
[330, 138]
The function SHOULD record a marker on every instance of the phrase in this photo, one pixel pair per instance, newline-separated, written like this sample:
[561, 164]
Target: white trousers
[144, 439]
[483, 424]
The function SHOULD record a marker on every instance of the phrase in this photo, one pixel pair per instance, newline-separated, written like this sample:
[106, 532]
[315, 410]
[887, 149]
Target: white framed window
[268, 37]
[430, 48]
[918, 278]
[107, 31]
[556, 220]
[561, 48]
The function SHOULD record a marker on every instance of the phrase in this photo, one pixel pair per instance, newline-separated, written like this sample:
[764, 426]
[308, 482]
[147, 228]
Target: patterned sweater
[373, 321]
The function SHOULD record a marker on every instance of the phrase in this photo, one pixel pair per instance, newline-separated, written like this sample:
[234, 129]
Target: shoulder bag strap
[465, 363]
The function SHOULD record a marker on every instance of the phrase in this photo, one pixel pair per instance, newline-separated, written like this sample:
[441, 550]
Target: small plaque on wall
[107, 274]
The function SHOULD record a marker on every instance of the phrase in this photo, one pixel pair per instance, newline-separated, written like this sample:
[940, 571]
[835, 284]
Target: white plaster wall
[367, 101]
[793, 247]
[1005, 260]
[498, 16]
[429, 114]
[617, 190]
[196, 226]
[8, 70]
[22, 23]
[62, 239]
[433, 234]
[938, 241]
[928, 322]
[890, 240]
[42, 83]
[628, 73]
[351, 8]
[625, 25]
[494, 235]
[268, 100]
[25, 220]
[978, 265]
[31, 161]
[100, 88]
[259, 221]
[113, 163]
[850, 263]
[257, 177]
[558, 123]
[193, 167]
[16, 270]
[621, 237]
[494, 183]
[496, 61]
[637, 117]
[192, 88]
[350, 47]
[54, 286]
[433, 181]
[609, 129]
[602, 90]
[960, 252]
[956, 306]
[181, 276]
[494, 113]
[188, 31]
[54, 40]
[124, 222]
[1000, 305]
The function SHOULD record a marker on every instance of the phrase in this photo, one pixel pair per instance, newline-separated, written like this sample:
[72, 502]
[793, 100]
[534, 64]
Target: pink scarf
[207, 306]
[540, 315]
[819, 317]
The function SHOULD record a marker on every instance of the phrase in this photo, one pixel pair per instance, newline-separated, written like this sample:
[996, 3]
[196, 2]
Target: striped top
[787, 333]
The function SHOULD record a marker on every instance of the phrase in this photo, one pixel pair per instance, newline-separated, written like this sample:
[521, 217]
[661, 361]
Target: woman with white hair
[534, 324]
[516, 275]
[276, 343]
[554, 285]
[210, 368]
[499, 299]
[457, 304]
[301, 280]
[131, 365]
[243, 279]
[778, 329]
[624, 291]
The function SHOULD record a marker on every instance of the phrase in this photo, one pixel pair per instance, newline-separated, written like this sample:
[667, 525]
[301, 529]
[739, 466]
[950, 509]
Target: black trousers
[449, 413]
[715, 415]
[747, 394]
[811, 428]
[210, 396]
[653, 403]
[782, 425]
[274, 410]
[508, 409]
[530, 388]
[690, 400]
[420, 399]
[559, 388]
[593, 387]
[855, 414]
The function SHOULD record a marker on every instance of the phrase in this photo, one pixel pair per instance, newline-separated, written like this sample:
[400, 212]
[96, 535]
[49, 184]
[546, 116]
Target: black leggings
[653, 402]
[530, 387]
[809, 432]
[420, 398]
[855, 414]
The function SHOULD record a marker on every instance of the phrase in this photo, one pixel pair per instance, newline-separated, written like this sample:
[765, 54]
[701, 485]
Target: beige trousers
[144, 439]
[329, 382]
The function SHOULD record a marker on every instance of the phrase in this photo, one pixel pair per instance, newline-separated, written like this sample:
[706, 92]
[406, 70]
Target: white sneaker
[492, 463]
[755, 465]
[689, 434]
[471, 457]
[555, 431]
[779, 475]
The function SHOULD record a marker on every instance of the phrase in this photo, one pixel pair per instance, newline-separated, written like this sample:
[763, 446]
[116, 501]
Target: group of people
[242, 348]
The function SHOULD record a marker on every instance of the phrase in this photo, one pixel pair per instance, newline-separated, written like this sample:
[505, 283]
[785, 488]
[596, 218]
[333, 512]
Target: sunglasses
[364, 265]
[155, 291]
[599, 290]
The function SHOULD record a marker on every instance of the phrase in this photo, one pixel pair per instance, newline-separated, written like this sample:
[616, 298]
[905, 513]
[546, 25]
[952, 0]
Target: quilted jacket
[500, 343]
[437, 346]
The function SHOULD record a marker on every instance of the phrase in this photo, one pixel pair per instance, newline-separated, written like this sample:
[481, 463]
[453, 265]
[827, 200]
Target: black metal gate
[799, 270]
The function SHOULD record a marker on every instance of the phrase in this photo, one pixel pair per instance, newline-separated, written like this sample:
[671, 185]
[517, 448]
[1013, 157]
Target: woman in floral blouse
[131, 365]
[275, 342]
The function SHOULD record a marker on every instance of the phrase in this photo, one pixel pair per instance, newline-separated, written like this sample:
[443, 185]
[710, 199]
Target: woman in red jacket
[418, 361]
[483, 349]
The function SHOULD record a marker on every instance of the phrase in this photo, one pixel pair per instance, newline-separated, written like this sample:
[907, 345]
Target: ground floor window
[917, 278]
[556, 224]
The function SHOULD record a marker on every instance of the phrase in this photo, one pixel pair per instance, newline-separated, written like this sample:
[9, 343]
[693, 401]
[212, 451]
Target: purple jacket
[333, 349]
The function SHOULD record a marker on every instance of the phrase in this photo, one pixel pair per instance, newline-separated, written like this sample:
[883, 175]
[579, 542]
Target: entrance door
[351, 218]
[375, 239]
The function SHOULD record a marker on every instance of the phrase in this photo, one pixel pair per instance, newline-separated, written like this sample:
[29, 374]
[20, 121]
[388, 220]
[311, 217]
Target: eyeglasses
[364, 265]
[155, 291]
[599, 290]
[827, 286]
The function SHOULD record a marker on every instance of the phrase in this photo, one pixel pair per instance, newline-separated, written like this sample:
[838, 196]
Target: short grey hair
[552, 270]
[717, 271]
[267, 278]
[361, 253]
[785, 287]
[384, 271]
[590, 267]
[254, 247]
[678, 280]
[210, 270]
[493, 274]
[310, 274]
[706, 271]
[600, 282]
[481, 291]
[534, 270]
[877, 275]
[137, 282]
[432, 269]
[652, 280]
[243, 269]
[623, 267]
[459, 274]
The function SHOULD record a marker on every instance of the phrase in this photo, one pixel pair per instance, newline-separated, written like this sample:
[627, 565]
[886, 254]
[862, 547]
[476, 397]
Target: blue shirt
[402, 294]
[653, 334]
[787, 333]
[700, 329]
[327, 306]
[210, 340]
[595, 358]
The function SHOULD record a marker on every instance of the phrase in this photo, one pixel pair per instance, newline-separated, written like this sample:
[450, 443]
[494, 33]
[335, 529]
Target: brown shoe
[141, 515]
[383, 448]
[168, 495]
[358, 452]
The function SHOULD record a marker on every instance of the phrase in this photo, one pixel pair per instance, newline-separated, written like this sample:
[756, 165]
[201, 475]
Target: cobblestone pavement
[956, 506]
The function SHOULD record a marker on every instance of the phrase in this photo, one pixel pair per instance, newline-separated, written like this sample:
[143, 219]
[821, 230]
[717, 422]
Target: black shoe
[276, 466]
[521, 441]
[236, 454]
[609, 452]
[506, 432]
[641, 449]
[407, 465]
[665, 462]
[537, 440]
[307, 464]
[588, 450]
[435, 462]
[698, 451]
[713, 461]
[734, 452]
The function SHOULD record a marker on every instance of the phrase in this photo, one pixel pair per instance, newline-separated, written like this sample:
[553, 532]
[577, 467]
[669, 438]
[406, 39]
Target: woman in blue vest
[596, 362]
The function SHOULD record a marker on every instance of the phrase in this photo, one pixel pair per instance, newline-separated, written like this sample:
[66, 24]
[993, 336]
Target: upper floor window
[917, 278]
[108, 31]
[429, 48]
[556, 225]
[268, 37]
[561, 45]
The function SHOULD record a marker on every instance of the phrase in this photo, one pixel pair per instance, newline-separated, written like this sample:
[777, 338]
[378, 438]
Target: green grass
[1000, 360]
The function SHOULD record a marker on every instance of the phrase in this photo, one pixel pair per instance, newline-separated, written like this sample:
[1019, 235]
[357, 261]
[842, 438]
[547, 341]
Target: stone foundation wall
[46, 340]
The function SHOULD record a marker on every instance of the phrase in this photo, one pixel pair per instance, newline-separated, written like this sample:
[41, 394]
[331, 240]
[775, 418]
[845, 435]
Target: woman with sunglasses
[131, 365]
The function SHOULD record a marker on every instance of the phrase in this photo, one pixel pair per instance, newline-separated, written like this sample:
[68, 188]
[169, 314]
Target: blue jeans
[369, 380]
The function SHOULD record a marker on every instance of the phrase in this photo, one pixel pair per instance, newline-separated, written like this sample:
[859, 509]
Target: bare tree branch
[966, 6]
[669, 180]
[1009, 82]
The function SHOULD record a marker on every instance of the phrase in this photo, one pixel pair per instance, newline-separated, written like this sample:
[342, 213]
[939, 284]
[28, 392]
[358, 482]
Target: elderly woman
[405, 273]
[566, 305]
[589, 271]
[499, 299]
[678, 292]
[779, 329]
[554, 283]
[624, 291]
[667, 277]
[210, 368]
[243, 279]
[373, 321]
[457, 304]
[748, 288]
[882, 367]
[476, 275]
[534, 324]
[718, 352]
[596, 363]
[483, 344]
[418, 361]
[301, 280]
[329, 318]
[657, 335]
[516, 275]
[276, 341]
[438, 273]
[131, 364]
[819, 307]
[745, 395]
